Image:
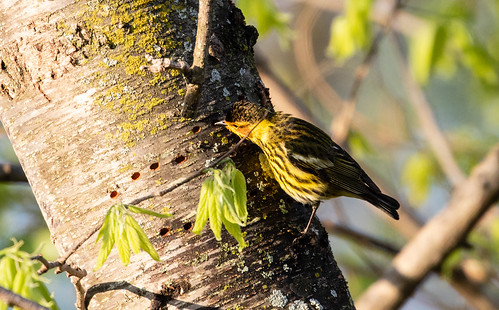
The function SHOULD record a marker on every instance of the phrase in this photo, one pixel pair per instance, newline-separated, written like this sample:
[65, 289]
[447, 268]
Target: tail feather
[385, 203]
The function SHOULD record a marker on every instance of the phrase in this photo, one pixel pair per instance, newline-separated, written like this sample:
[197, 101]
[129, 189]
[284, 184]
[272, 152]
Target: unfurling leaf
[135, 209]
[222, 200]
[122, 229]
[18, 274]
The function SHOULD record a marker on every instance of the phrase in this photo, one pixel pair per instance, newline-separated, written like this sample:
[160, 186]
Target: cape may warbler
[308, 165]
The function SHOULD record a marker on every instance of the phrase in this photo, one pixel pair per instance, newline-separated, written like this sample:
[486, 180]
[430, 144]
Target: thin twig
[195, 74]
[434, 135]
[305, 60]
[194, 88]
[61, 260]
[341, 126]
[80, 293]
[359, 237]
[10, 172]
[161, 64]
[61, 267]
[13, 299]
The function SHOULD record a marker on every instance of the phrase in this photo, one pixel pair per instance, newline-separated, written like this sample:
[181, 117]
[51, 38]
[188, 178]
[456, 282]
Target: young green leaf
[215, 212]
[235, 231]
[266, 17]
[136, 209]
[145, 244]
[120, 228]
[417, 174]
[107, 233]
[133, 237]
[223, 201]
[122, 244]
[350, 32]
[239, 185]
[203, 205]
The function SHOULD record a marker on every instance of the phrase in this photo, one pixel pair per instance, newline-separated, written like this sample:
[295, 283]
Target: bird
[306, 163]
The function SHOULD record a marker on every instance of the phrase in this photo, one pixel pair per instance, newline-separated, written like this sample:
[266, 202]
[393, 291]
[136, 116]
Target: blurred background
[410, 88]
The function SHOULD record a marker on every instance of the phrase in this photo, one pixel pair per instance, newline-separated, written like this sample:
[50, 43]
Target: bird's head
[243, 116]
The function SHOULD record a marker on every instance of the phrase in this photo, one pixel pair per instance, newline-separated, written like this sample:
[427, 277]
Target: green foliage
[358, 144]
[494, 236]
[443, 41]
[265, 16]
[18, 274]
[352, 31]
[446, 40]
[222, 200]
[122, 229]
[426, 47]
[417, 174]
[451, 261]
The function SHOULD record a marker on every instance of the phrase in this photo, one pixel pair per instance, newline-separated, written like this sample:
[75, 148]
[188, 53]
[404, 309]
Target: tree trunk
[83, 118]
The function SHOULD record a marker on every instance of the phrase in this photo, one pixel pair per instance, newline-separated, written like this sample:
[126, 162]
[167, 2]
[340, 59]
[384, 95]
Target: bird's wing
[327, 160]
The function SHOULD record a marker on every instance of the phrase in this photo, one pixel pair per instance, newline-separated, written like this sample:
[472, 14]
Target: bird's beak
[222, 123]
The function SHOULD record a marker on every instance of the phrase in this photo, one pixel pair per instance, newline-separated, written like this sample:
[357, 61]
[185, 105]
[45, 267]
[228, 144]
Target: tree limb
[434, 135]
[429, 248]
[14, 299]
[193, 93]
[10, 172]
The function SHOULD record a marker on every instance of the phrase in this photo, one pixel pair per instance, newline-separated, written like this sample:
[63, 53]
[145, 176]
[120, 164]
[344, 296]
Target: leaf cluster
[122, 229]
[18, 274]
[351, 31]
[222, 200]
[266, 17]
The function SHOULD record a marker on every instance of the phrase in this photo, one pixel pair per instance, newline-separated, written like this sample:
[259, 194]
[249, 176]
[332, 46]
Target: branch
[60, 267]
[195, 74]
[12, 173]
[193, 93]
[340, 127]
[13, 299]
[311, 73]
[434, 135]
[429, 248]
[359, 237]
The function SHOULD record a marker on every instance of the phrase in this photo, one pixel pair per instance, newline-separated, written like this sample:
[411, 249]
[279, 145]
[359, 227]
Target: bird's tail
[384, 202]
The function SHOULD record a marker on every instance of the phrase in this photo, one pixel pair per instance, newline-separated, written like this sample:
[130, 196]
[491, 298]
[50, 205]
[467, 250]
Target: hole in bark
[135, 176]
[154, 166]
[113, 194]
[188, 226]
[164, 231]
[180, 159]
[2, 65]
[196, 129]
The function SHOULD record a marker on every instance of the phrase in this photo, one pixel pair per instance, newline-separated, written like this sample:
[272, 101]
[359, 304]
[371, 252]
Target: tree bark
[83, 118]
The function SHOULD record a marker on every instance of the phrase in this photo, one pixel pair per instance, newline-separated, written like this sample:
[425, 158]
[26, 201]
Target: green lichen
[124, 33]
[158, 79]
[133, 65]
[125, 168]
